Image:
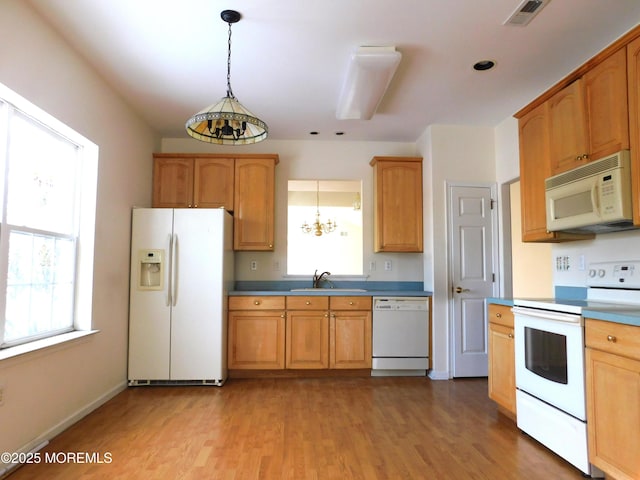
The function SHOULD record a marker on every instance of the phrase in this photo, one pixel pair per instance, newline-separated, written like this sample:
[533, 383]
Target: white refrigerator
[181, 272]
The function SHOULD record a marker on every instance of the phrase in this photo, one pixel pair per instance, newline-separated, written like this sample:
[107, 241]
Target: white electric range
[550, 363]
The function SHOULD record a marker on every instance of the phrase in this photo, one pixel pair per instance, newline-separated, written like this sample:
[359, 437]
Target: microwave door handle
[594, 199]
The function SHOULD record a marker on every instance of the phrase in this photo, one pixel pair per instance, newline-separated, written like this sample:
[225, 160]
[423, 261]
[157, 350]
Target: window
[48, 185]
[339, 252]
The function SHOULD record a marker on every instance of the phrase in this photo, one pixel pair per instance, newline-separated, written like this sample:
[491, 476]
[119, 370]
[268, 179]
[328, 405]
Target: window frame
[86, 184]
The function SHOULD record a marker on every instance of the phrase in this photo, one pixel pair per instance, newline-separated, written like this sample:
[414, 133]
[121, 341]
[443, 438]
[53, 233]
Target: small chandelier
[227, 122]
[317, 227]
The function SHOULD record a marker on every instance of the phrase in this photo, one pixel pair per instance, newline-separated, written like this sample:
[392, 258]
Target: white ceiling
[167, 58]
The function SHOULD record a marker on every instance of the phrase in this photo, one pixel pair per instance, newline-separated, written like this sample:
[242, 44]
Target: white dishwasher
[400, 336]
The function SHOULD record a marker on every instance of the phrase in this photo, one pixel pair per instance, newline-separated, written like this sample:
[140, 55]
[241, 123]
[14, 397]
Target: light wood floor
[288, 428]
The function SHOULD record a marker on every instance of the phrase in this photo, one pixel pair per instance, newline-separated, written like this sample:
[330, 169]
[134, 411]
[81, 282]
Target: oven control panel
[623, 274]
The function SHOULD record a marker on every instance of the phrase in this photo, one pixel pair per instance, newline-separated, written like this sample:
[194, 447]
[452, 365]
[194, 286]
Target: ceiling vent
[525, 12]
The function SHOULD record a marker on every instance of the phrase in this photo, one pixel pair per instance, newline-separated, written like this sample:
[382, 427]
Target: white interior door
[471, 260]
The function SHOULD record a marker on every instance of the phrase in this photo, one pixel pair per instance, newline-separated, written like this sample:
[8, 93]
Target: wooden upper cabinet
[633, 85]
[535, 167]
[254, 203]
[172, 182]
[605, 87]
[589, 118]
[213, 183]
[398, 204]
[191, 181]
[569, 135]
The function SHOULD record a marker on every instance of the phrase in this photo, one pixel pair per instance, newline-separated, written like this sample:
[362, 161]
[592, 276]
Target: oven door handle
[548, 315]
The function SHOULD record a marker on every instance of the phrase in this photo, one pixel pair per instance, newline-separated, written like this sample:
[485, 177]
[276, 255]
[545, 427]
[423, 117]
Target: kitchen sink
[328, 290]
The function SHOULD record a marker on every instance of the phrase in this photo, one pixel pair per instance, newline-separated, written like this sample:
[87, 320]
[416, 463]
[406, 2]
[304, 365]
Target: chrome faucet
[319, 278]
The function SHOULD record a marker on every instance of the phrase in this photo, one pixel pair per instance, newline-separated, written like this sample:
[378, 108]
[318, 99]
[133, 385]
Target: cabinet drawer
[500, 314]
[612, 337]
[256, 303]
[307, 303]
[350, 303]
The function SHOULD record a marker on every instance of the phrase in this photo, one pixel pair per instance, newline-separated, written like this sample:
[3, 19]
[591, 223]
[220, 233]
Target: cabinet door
[307, 339]
[213, 183]
[502, 377]
[613, 410]
[254, 204]
[607, 109]
[172, 182]
[534, 169]
[569, 140]
[398, 204]
[350, 339]
[633, 85]
[256, 340]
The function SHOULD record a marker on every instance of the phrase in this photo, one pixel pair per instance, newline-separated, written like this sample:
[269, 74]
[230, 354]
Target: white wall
[324, 160]
[48, 390]
[605, 247]
[452, 154]
[531, 269]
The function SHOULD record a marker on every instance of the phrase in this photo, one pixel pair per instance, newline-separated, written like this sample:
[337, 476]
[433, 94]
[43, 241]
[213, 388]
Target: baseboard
[438, 375]
[44, 438]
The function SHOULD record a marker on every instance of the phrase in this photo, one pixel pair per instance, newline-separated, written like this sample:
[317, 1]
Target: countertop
[343, 288]
[334, 292]
[614, 312]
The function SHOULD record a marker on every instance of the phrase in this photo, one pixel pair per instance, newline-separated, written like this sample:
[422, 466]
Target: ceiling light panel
[369, 74]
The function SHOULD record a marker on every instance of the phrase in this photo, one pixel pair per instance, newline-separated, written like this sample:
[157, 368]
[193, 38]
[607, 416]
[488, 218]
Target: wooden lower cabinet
[613, 397]
[350, 332]
[256, 335]
[350, 344]
[307, 338]
[502, 371]
[299, 333]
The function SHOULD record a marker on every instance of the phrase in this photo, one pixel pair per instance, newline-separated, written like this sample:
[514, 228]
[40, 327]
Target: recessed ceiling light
[313, 133]
[484, 65]
[339, 133]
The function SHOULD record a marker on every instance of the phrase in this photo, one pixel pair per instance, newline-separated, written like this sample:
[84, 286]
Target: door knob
[460, 289]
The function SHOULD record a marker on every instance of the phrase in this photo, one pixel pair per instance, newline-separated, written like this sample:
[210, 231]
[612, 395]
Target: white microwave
[595, 197]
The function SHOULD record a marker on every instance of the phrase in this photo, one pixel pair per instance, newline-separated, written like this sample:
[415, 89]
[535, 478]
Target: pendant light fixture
[317, 227]
[227, 122]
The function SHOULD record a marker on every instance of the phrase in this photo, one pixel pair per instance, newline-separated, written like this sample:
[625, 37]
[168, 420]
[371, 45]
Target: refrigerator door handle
[174, 270]
[169, 264]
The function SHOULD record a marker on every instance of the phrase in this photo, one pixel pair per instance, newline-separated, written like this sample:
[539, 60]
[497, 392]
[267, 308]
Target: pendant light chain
[229, 91]
[227, 122]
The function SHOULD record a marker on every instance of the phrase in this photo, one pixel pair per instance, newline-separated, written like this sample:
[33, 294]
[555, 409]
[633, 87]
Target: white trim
[78, 415]
[438, 375]
[44, 344]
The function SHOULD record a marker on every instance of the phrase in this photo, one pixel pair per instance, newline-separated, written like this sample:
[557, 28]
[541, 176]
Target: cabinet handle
[499, 315]
[578, 158]
[611, 338]
[282, 316]
[307, 302]
[510, 335]
[257, 302]
[350, 303]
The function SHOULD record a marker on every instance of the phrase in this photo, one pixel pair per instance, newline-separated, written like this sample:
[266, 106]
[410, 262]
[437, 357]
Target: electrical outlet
[372, 266]
[253, 265]
[276, 266]
[387, 265]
